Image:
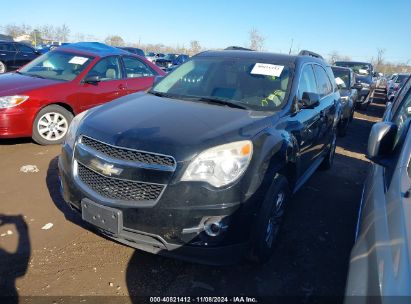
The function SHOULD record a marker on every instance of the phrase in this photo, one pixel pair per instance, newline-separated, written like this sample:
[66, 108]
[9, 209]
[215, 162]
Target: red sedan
[41, 98]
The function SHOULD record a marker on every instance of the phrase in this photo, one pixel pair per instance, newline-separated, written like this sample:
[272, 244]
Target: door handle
[3, 54]
[25, 55]
[121, 87]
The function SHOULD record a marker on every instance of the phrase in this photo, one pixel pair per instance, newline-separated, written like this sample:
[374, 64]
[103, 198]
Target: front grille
[129, 155]
[117, 189]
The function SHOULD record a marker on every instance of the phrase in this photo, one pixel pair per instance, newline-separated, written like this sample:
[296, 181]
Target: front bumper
[15, 122]
[172, 227]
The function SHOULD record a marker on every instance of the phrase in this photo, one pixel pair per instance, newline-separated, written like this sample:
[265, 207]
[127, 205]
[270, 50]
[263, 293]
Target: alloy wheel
[2, 68]
[52, 126]
[274, 220]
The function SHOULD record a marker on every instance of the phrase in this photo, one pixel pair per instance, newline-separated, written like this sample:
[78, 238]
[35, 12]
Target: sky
[353, 28]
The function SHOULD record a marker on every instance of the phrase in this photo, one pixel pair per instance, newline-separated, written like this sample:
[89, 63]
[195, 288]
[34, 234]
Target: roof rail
[309, 53]
[237, 48]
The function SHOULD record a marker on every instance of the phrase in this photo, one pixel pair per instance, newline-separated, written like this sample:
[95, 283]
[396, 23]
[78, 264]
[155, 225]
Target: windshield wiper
[223, 102]
[160, 94]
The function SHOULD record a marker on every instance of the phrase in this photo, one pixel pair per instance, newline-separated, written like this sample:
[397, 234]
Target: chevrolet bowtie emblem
[106, 169]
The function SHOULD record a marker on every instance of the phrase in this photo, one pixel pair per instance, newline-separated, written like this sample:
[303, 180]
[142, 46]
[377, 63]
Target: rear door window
[323, 82]
[24, 48]
[7, 47]
[135, 68]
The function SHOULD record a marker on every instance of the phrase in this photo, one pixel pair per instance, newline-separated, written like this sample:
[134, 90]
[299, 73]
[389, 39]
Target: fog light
[215, 226]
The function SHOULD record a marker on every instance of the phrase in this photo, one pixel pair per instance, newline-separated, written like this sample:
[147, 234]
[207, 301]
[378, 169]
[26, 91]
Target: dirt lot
[68, 260]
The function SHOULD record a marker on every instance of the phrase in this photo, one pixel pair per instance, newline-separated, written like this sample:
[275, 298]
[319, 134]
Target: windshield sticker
[78, 60]
[363, 72]
[267, 69]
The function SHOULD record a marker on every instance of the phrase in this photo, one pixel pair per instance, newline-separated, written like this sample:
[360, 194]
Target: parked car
[14, 55]
[177, 62]
[166, 61]
[380, 260]
[40, 99]
[153, 56]
[202, 166]
[133, 50]
[395, 85]
[364, 76]
[345, 79]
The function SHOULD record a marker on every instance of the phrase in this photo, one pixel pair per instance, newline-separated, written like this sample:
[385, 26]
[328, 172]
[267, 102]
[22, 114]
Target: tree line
[45, 34]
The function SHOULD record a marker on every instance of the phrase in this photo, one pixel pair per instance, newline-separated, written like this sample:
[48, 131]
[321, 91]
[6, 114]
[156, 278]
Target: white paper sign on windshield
[78, 60]
[267, 69]
[339, 81]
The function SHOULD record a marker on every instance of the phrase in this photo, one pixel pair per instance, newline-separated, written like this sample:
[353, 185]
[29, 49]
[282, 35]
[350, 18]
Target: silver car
[380, 260]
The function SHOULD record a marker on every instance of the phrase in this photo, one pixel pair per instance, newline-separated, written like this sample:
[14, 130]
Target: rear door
[8, 55]
[327, 106]
[112, 83]
[24, 55]
[139, 76]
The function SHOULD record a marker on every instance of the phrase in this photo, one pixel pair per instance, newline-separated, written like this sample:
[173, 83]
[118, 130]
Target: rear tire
[51, 125]
[269, 219]
[3, 67]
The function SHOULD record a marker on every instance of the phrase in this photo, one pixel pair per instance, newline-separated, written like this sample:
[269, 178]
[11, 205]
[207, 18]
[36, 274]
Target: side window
[107, 69]
[307, 82]
[324, 85]
[25, 49]
[401, 116]
[401, 95]
[8, 47]
[136, 68]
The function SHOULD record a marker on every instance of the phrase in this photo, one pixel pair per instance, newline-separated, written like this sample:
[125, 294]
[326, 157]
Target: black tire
[3, 67]
[269, 219]
[342, 127]
[58, 124]
[328, 161]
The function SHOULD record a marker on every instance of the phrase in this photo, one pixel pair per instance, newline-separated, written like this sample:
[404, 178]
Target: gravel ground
[46, 250]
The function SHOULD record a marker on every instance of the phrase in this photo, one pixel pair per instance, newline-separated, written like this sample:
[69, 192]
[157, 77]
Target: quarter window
[136, 68]
[307, 82]
[324, 84]
[107, 69]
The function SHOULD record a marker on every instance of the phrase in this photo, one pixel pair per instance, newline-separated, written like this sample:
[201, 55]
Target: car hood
[14, 83]
[173, 127]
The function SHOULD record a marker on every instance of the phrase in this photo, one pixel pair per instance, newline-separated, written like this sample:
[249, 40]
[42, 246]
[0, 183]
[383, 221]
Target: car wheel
[269, 219]
[328, 161]
[352, 115]
[342, 127]
[3, 67]
[51, 125]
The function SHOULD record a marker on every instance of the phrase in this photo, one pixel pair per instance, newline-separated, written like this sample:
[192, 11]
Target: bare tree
[114, 40]
[62, 33]
[195, 47]
[256, 40]
[333, 57]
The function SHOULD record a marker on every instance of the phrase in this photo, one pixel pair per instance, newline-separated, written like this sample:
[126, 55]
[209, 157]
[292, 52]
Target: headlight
[221, 165]
[12, 101]
[365, 85]
[72, 131]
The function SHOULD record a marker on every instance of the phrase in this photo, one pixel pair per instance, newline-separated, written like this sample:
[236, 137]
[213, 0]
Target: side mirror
[92, 79]
[381, 142]
[310, 100]
[157, 79]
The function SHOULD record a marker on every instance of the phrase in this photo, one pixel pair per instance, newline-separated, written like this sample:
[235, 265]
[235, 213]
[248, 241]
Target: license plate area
[106, 218]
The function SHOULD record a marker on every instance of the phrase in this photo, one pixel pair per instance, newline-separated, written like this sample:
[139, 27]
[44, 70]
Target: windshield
[342, 78]
[151, 54]
[170, 56]
[360, 68]
[57, 66]
[401, 78]
[250, 83]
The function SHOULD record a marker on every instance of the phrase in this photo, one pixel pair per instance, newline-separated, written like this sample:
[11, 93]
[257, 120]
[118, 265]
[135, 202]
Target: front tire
[51, 125]
[328, 161]
[3, 67]
[269, 219]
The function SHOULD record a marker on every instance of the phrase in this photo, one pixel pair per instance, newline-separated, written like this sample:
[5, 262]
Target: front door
[111, 84]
